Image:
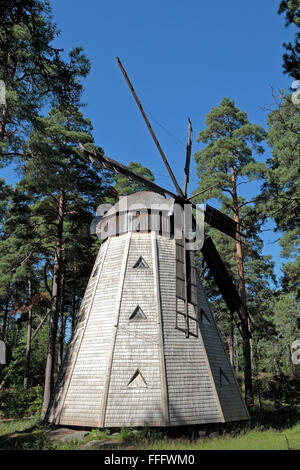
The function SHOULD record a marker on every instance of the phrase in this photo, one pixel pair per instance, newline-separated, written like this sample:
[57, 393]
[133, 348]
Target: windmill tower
[146, 350]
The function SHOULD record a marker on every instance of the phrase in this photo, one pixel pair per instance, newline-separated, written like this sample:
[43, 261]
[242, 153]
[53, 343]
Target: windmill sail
[112, 165]
[179, 192]
[128, 363]
[222, 277]
[222, 222]
[187, 160]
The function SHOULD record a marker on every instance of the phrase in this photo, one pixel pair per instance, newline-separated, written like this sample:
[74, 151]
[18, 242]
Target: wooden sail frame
[212, 216]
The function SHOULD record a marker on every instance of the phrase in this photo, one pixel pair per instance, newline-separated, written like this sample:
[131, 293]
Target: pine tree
[291, 59]
[19, 283]
[5, 195]
[65, 186]
[125, 186]
[280, 199]
[32, 70]
[259, 281]
[227, 159]
[287, 321]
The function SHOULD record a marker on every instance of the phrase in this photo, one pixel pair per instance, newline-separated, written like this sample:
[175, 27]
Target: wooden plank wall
[136, 347]
[177, 378]
[73, 347]
[83, 400]
[191, 393]
[231, 401]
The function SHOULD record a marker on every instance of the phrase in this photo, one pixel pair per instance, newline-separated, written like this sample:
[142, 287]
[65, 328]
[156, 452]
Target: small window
[82, 315]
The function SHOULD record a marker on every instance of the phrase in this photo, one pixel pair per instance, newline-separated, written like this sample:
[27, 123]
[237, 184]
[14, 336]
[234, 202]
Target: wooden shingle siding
[90, 365]
[136, 346]
[191, 395]
[231, 401]
[120, 371]
[72, 351]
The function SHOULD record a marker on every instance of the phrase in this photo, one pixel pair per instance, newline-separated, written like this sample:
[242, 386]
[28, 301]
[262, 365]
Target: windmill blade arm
[187, 160]
[112, 165]
[220, 221]
[150, 128]
[222, 278]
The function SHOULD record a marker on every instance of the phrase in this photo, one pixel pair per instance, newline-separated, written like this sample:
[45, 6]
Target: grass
[268, 430]
[23, 433]
[253, 440]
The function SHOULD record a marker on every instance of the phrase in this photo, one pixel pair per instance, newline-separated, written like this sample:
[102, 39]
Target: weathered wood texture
[190, 389]
[127, 365]
[136, 347]
[231, 401]
[83, 397]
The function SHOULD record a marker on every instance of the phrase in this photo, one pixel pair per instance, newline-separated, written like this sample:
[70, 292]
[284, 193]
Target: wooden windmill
[146, 350]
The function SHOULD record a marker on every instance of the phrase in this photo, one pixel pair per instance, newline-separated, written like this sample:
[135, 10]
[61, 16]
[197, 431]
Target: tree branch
[228, 191]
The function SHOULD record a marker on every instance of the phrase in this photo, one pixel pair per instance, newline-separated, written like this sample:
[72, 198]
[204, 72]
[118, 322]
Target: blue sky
[183, 58]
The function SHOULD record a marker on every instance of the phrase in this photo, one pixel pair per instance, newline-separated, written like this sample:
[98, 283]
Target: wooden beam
[112, 165]
[118, 302]
[187, 160]
[186, 304]
[150, 128]
[161, 346]
[58, 411]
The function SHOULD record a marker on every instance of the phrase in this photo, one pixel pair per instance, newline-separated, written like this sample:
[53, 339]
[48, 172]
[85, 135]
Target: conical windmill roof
[142, 200]
[153, 211]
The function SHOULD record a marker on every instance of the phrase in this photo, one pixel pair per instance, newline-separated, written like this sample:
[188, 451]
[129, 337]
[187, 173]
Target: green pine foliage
[291, 58]
[33, 71]
[45, 218]
[280, 198]
[229, 158]
[125, 186]
[230, 140]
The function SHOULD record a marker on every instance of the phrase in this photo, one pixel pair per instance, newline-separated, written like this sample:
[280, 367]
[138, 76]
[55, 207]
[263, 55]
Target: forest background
[226, 69]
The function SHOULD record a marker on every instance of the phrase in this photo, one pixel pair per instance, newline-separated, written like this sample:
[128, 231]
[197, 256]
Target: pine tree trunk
[28, 342]
[249, 399]
[61, 317]
[236, 354]
[289, 353]
[74, 303]
[5, 108]
[231, 344]
[3, 122]
[277, 368]
[50, 363]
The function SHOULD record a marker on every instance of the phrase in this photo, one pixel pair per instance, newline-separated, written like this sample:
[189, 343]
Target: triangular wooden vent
[96, 271]
[224, 380]
[137, 380]
[138, 314]
[82, 315]
[141, 264]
